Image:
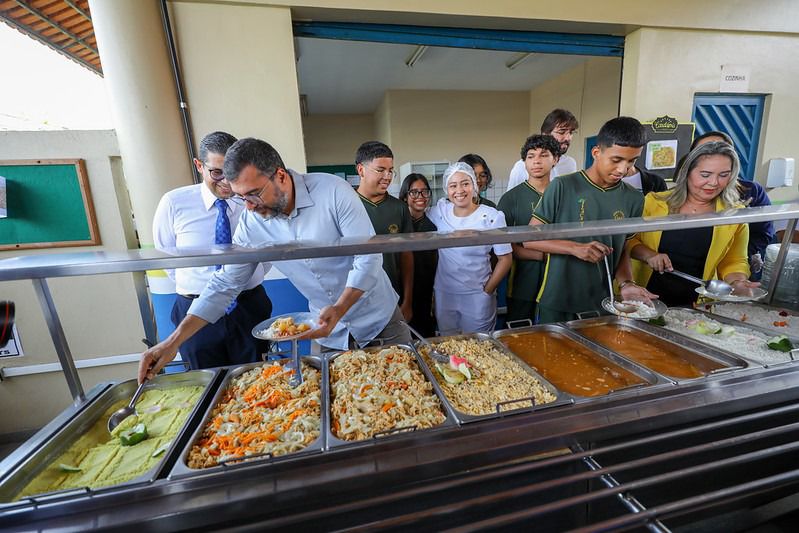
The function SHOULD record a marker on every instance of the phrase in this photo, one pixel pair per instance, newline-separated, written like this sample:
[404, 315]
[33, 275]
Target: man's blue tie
[222, 233]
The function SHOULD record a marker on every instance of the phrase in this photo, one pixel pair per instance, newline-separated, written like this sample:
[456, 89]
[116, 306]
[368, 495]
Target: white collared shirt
[326, 210]
[466, 269]
[566, 165]
[186, 218]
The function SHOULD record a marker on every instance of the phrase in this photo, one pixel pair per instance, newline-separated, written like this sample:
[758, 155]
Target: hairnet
[463, 168]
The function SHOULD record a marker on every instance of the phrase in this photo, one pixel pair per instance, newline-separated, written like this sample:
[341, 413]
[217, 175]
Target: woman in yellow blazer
[705, 182]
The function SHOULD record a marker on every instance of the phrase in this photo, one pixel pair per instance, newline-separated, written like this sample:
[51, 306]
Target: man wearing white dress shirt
[200, 216]
[351, 294]
[561, 124]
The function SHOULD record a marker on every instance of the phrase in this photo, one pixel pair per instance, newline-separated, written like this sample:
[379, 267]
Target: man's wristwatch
[627, 282]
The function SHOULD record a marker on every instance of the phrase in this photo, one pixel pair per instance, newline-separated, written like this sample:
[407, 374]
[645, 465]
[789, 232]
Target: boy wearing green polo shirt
[540, 153]
[375, 164]
[574, 277]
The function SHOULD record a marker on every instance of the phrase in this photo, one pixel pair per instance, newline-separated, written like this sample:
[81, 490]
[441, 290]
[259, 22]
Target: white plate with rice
[642, 309]
[757, 293]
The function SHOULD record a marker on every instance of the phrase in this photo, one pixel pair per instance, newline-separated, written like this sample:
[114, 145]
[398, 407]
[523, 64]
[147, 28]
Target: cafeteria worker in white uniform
[465, 285]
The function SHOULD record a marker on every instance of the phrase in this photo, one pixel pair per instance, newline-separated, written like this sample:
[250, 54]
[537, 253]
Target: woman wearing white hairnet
[465, 286]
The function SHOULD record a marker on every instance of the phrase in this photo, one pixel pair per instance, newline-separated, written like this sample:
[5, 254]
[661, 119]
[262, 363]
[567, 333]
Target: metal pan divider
[181, 468]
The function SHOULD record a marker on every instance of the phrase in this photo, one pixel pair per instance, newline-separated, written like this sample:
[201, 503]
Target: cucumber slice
[781, 343]
[134, 435]
[164, 447]
[69, 468]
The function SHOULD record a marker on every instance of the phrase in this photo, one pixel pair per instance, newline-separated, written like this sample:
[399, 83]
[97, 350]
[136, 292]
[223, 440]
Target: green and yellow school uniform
[570, 285]
[525, 280]
[390, 215]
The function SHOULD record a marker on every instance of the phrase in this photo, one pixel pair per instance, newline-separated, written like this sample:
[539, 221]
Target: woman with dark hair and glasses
[483, 175]
[415, 191]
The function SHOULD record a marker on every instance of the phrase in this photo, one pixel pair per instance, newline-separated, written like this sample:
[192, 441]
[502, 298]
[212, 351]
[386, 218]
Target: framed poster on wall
[668, 142]
[48, 205]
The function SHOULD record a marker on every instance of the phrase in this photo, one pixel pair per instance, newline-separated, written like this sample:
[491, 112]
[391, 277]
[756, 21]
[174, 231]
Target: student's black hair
[409, 180]
[727, 138]
[544, 142]
[621, 131]
[371, 150]
[215, 143]
[255, 152]
[559, 117]
[474, 159]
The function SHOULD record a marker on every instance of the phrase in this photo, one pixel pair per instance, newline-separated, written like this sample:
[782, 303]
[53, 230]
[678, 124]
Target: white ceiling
[351, 77]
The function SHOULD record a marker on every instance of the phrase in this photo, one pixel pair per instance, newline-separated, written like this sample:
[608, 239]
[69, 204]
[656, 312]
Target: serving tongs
[434, 354]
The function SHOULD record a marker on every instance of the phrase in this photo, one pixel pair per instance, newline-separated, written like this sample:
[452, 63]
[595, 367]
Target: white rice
[759, 316]
[642, 310]
[744, 342]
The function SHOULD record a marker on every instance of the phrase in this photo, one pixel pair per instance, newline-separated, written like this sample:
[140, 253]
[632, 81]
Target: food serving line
[696, 435]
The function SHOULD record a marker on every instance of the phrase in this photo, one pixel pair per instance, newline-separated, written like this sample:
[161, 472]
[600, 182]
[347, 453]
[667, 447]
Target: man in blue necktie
[200, 216]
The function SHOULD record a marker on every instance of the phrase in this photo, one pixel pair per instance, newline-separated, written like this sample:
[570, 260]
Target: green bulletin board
[49, 205]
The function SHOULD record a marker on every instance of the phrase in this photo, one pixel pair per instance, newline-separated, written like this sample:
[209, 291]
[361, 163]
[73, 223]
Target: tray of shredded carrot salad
[256, 416]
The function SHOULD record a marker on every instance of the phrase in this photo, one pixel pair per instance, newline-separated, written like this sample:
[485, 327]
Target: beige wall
[382, 119]
[765, 15]
[663, 69]
[589, 90]
[444, 125]
[99, 314]
[239, 73]
[333, 139]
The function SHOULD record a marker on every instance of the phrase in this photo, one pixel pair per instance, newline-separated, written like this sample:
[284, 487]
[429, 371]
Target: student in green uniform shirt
[375, 164]
[540, 154]
[574, 277]
[483, 175]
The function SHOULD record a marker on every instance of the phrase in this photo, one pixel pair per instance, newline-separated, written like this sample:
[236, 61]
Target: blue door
[739, 116]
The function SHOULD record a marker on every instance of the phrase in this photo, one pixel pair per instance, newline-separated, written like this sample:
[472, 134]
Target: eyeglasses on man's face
[419, 193]
[254, 197]
[387, 172]
[216, 173]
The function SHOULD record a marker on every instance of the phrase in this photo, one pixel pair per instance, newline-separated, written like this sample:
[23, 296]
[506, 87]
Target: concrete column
[144, 103]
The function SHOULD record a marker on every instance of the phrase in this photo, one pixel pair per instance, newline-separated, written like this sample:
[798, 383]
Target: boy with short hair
[374, 162]
[562, 125]
[540, 155]
[575, 280]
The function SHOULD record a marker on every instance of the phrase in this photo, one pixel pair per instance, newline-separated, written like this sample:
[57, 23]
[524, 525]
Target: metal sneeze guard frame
[38, 268]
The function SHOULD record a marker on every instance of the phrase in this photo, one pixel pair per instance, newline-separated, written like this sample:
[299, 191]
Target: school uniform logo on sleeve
[393, 228]
[618, 215]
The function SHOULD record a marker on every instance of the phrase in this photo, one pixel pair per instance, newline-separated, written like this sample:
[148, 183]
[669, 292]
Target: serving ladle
[715, 287]
[435, 354]
[618, 306]
[121, 414]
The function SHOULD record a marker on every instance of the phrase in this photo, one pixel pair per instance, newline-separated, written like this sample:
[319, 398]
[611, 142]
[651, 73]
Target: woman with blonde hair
[706, 182]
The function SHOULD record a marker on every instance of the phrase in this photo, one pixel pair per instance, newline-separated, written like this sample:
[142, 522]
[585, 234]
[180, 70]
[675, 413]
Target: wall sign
[734, 79]
[13, 347]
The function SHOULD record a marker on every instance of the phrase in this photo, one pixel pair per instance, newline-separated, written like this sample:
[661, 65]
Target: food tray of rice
[380, 392]
[780, 321]
[750, 343]
[83, 456]
[257, 416]
[482, 380]
[575, 365]
[675, 358]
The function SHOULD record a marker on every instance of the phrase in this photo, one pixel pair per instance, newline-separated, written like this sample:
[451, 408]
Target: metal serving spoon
[716, 287]
[435, 354]
[618, 306]
[121, 414]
